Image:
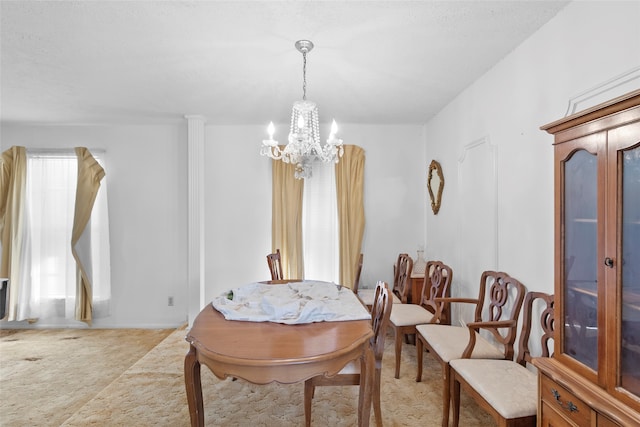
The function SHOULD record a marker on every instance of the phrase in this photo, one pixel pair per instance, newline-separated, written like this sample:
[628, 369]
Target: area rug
[152, 393]
[46, 376]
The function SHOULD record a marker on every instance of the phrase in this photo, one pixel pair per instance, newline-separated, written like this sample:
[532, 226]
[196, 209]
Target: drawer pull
[570, 406]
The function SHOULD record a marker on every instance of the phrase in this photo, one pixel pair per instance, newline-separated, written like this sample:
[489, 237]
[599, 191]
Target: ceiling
[235, 63]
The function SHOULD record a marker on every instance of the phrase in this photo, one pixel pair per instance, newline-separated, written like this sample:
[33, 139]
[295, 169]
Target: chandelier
[303, 145]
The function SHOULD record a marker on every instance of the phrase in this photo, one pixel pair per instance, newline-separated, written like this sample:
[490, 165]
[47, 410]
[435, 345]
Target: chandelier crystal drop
[303, 146]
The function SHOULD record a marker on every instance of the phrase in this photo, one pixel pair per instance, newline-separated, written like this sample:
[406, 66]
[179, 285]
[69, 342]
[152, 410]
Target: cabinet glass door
[630, 328]
[580, 258]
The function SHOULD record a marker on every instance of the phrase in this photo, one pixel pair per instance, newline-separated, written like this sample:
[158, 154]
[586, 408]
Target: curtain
[350, 193]
[90, 173]
[12, 223]
[286, 218]
[54, 227]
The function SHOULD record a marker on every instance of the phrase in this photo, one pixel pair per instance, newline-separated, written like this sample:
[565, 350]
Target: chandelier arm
[273, 152]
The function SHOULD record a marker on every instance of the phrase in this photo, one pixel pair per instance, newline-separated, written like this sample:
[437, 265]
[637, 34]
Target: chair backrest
[380, 313]
[4, 298]
[275, 265]
[437, 279]
[547, 323]
[356, 282]
[503, 302]
[403, 272]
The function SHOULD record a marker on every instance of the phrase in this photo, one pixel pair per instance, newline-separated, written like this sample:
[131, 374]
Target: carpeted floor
[122, 378]
[48, 375]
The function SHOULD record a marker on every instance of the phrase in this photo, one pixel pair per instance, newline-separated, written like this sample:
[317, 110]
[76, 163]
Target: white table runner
[291, 303]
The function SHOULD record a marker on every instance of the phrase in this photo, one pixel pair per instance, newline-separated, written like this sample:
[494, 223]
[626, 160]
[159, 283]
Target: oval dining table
[264, 352]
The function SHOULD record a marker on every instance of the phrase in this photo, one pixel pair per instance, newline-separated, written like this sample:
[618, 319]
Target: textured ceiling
[235, 62]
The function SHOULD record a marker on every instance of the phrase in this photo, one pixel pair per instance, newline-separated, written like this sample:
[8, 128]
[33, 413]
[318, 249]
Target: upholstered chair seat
[410, 314]
[449, 342]
[510, 388]
[351, 368]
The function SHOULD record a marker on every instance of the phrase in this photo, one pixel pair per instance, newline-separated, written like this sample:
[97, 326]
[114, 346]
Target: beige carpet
[48, 375]
[151, 393]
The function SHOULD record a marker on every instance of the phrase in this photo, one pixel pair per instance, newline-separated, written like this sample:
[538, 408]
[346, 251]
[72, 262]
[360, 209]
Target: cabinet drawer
[565, 402]
[605, 422]
[552, 418]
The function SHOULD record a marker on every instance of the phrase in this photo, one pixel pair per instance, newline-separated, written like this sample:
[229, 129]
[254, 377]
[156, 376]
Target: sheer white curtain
[320, 225]
[50, 289]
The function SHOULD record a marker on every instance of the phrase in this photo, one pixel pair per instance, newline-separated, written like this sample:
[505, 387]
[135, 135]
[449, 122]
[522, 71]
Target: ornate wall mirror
[435, 184]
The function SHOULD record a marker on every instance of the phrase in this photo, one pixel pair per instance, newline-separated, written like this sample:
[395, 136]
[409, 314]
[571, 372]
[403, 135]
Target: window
[320, 225]
[50, 282]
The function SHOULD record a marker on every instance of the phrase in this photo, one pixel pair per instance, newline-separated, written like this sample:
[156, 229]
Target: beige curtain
[13, 178]
[286, 218]
[350, 187]
[90, 173]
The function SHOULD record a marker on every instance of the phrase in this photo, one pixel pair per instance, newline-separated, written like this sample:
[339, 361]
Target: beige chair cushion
[367, 296]
[508, 387]
[352, 367]
[409, 314]
[450, 341]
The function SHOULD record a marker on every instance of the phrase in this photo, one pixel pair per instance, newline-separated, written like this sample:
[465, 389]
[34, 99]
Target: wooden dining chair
[506, 389]
[401, 282]
[504, 295]
[275, 265]
[356, 281]
[350, 374]
[405, 317]
[366, 295]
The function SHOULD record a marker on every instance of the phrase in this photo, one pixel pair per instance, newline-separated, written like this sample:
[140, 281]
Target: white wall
[394, 196]
[583, 47]
[147, 181]
[237, 208]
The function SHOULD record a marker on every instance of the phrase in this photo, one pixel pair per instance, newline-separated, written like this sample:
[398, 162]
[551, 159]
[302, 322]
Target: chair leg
[399, 336]
[308, 395]
[455, 400]
[377, 408]
[446, 396]
[420, 351]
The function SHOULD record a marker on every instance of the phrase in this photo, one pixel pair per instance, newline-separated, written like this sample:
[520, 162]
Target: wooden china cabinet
[593, 378]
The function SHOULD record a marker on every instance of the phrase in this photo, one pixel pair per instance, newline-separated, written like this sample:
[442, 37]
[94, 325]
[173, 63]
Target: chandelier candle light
[304, 137]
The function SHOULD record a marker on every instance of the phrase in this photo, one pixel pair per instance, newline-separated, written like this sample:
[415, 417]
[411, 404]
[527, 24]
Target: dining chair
[401, 283]
[4, 298]
[405, 317]
[500, 304]
[350, 374]
[506, 389]
[366, 295]
[356, 282]
[275, 265]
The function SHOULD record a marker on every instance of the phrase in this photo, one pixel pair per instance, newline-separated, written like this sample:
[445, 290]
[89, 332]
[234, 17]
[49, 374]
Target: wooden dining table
[264, 352]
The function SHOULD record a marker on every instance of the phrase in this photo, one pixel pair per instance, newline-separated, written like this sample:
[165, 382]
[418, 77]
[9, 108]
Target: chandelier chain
[304, 76]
